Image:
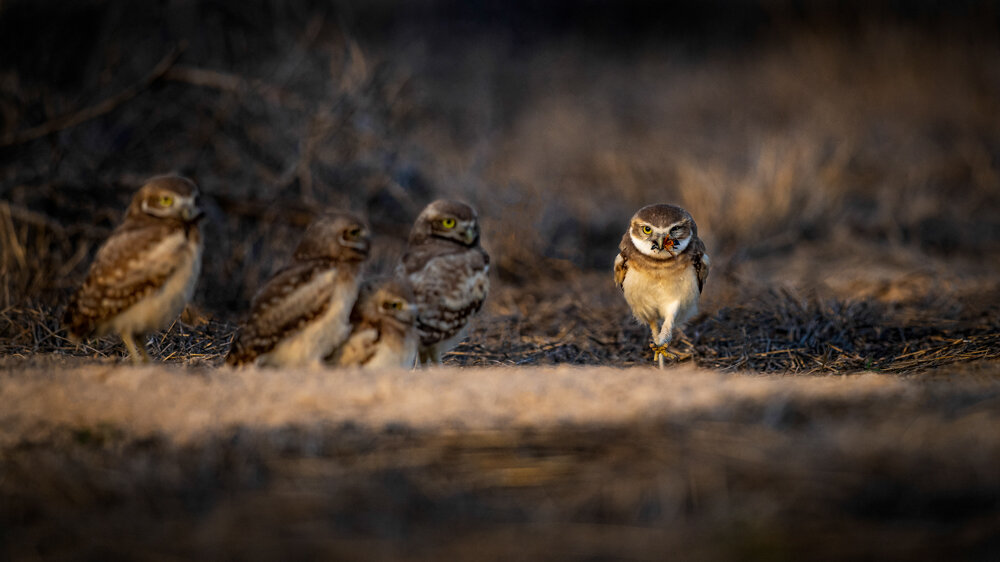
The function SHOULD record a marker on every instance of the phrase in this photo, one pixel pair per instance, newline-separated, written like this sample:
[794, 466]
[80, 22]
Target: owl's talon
[661, 350]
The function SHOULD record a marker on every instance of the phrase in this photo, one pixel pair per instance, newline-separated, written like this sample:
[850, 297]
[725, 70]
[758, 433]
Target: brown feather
[119, 277]
[269, 320]
[621, 268]
[286, 306]
[696, 249]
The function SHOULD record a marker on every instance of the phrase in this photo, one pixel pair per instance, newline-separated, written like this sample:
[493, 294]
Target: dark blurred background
[842, 160]
[802, 132]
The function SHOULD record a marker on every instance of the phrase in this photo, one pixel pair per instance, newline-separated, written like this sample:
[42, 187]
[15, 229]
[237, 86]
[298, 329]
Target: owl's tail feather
[239, 354]
[77, 324]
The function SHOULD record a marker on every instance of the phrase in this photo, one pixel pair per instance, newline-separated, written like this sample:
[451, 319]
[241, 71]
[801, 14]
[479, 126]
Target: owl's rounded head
[335, 235]
[167, 197]
[662, 231]
[388, 297]
[447, 220]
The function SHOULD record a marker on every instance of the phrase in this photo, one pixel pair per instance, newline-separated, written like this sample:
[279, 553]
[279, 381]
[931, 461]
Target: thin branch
[233, 83]
[68, 121]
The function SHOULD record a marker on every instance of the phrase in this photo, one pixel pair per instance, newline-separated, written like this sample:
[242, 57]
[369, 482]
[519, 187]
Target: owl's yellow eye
[354, 233]
[166, 201]
[647, 230]
[448, 223]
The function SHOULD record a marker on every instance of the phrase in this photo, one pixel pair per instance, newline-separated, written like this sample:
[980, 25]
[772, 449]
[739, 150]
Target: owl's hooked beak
[190, 211]
[664, 243]
[192, 214]
[470, 236]
[410, 312]
[360, 247]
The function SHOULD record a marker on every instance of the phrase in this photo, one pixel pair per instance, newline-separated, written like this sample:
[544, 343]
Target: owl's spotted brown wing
[699, 259]
[359, 348]
[296, 295]
[130, 265]
[621, 261]
[621, 268]
[448, 290]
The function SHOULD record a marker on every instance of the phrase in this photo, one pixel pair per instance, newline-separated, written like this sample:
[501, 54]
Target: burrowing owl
[448, 271]
[662, 267]
[302, 313]
[146, 271]
[382, 330]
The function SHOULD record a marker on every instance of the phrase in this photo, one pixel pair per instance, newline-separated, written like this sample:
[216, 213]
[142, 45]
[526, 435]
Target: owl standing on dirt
[448, 271]
[661, 268]
[145, 273]
[302, 313]
[382, 328]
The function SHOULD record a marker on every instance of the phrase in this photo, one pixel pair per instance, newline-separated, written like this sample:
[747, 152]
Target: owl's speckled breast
[652, 293]
[449, 290]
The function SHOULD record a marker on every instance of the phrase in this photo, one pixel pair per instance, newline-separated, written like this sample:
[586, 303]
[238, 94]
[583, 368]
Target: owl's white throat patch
[681, 245]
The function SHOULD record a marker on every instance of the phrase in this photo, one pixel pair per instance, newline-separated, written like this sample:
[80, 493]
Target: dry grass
[769, 331]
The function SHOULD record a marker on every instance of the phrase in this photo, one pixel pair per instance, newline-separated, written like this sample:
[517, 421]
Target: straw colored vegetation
[843, 393]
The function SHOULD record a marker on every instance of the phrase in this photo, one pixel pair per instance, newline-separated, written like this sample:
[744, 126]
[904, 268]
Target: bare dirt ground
[565, 462]
[842, 397]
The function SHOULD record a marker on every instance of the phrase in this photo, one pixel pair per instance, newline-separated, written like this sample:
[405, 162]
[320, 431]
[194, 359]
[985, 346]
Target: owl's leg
[133, 350]
[429, 356]
[141, 344]
[660, 351]
[665, 334]
[654, 328]
[657, 350]
[146, 357]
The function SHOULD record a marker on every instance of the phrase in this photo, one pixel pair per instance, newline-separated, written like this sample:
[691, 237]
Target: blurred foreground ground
[568, 463]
